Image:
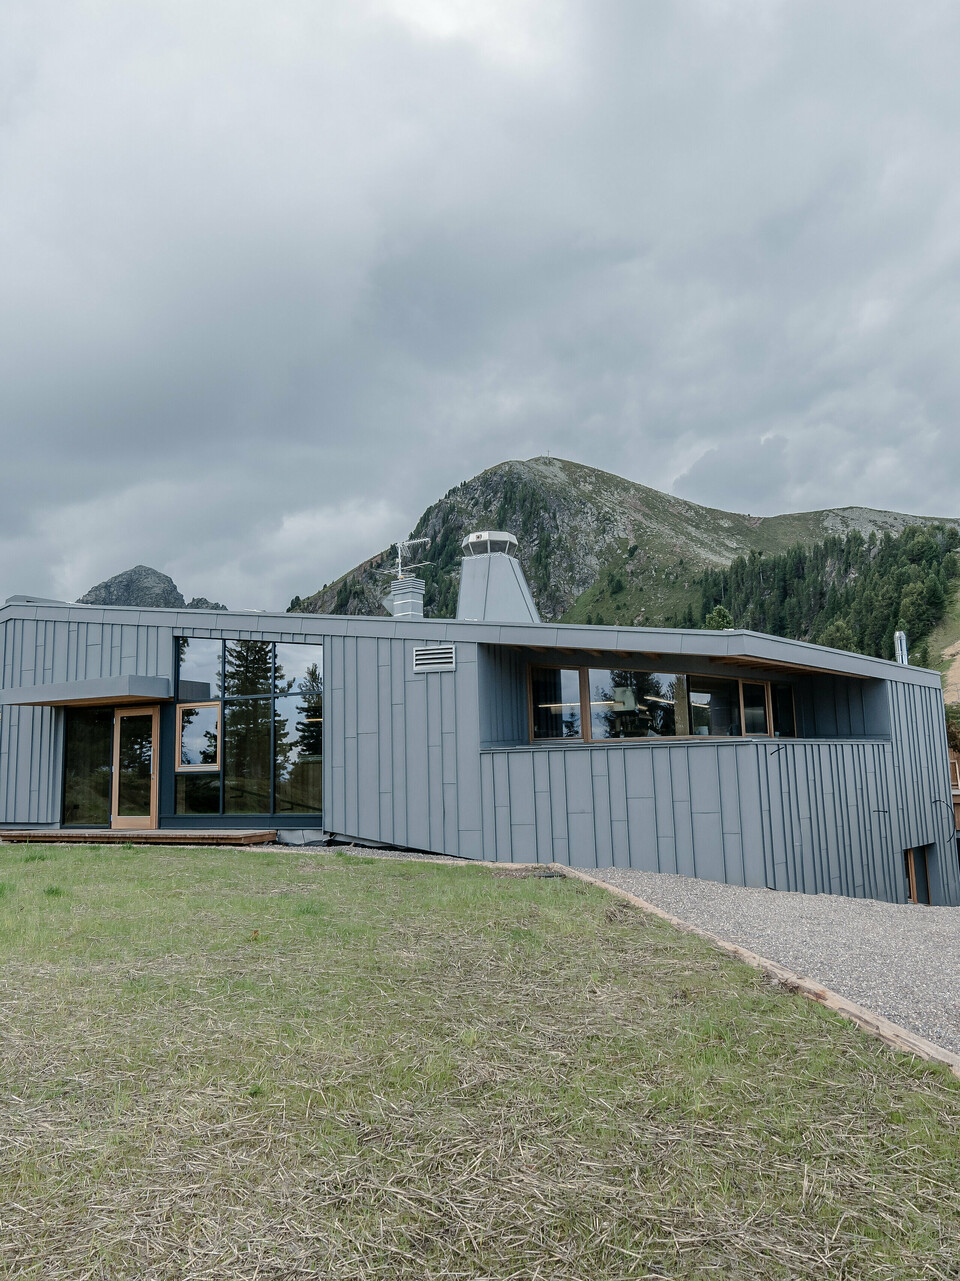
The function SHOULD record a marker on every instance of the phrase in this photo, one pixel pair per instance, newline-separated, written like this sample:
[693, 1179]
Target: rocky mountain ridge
[594, 546]
[146, 587]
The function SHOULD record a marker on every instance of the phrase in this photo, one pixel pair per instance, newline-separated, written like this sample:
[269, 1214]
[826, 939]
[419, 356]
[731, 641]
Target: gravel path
[898, 960]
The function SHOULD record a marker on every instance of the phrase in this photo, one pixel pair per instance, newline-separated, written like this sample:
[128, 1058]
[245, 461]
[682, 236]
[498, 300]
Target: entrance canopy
[107, 689]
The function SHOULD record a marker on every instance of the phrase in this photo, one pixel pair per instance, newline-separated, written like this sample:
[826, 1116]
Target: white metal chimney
[492, 585]
[405, 598]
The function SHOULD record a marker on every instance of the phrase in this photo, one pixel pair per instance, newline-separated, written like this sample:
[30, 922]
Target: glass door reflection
[134, 768]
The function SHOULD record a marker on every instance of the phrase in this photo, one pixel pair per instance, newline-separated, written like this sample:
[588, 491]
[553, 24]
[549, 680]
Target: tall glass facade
[88, 752]
[271, 713]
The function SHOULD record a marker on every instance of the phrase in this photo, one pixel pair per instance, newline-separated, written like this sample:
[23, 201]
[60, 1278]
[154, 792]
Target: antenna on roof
[402, 569]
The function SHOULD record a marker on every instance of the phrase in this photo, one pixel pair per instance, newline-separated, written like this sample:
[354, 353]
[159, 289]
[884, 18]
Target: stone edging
[898, 1038]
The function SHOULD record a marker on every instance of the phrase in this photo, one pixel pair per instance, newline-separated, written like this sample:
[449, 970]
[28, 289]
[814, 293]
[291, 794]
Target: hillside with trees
[594, 546]
[849, 592]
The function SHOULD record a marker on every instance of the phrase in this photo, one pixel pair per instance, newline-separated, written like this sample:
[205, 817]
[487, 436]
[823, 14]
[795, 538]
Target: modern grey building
[727, 755]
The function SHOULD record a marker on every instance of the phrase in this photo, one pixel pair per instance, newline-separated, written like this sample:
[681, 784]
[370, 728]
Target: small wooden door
[135, 732]
[918, 886]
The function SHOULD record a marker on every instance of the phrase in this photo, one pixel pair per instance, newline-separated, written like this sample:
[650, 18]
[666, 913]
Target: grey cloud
[277, 276]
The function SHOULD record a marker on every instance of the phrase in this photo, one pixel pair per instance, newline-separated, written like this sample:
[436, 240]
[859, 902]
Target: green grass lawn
[240, 1064]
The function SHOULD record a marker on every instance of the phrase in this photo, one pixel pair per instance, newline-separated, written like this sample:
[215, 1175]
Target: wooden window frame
[197, 769]
[910, 857]
[767, 707]
[911, 876]
[955, 776]
[586, 728]
[138, 822]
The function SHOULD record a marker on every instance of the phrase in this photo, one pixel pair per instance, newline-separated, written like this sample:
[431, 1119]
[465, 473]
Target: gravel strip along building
[729, 756]
[891, 958]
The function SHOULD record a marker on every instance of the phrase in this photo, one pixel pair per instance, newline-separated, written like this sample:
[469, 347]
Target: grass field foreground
[241, 1063]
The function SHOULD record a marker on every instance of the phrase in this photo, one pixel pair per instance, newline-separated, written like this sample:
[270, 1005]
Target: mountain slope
[592, 543]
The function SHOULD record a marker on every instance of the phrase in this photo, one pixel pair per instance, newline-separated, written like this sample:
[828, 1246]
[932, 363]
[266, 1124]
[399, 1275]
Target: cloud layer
[276, 276]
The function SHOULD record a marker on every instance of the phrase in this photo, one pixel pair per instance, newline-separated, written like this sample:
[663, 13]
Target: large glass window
[88, 760]
[198, 793]
[263, 731]
[199, 668]
[599, 704]
[556, 702]
[246, 756]
[754, 708]
[298, 739]
[248, 669]
[784, 717]
[198, 737]
[628, 704]
[714, 706]
[297, 667]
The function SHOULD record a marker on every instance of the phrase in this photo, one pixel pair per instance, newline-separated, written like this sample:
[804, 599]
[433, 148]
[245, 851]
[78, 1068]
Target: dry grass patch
[233, 1064]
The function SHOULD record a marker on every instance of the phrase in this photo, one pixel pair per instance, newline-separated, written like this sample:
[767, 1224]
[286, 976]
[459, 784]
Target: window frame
[767, 708]
[586, 728]
[581, 687]
[178, 768]
[793, 708]
[222, 700]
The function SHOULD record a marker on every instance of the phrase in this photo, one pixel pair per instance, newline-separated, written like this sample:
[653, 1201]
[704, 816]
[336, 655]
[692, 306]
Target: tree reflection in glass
[246, 746]
[199, 728]
[248, 668]
[135, 752]
[298, 741]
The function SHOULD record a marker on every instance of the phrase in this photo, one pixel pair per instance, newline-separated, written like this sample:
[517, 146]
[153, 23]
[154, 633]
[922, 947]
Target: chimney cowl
[492, 586]
[488, 541]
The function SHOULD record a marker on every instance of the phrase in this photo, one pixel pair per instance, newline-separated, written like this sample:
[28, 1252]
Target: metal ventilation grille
[435, 658]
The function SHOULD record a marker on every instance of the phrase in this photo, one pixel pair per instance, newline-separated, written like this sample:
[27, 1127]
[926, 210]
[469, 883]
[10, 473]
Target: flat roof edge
[733, 643]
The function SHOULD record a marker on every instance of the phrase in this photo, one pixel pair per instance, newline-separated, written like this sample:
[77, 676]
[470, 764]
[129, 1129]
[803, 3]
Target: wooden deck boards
[164, 836]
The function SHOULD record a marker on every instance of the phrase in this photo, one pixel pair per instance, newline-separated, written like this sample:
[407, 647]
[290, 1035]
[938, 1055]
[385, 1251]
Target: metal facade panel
[803, 815]
[30, 755]
[409, 743]
[922, 799]
[61, 648]
[502, 688]
[402, 759]
[602, 818]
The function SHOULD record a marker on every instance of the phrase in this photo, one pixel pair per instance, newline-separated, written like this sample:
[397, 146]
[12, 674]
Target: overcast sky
[275, 276]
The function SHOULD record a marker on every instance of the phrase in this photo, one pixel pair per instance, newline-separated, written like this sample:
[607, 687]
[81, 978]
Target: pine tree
[718, 620]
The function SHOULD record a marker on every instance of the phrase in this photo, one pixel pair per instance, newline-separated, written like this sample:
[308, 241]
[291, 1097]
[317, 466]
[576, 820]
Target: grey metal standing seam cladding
[440, 761]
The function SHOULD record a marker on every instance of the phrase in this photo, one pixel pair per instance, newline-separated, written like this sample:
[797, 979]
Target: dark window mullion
[223, 722]
[273, 729]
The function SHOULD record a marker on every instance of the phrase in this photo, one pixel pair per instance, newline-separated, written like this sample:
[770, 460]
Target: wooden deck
[164, 836]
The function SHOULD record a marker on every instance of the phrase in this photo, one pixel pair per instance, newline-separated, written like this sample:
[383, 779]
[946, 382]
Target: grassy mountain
[594, 546]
